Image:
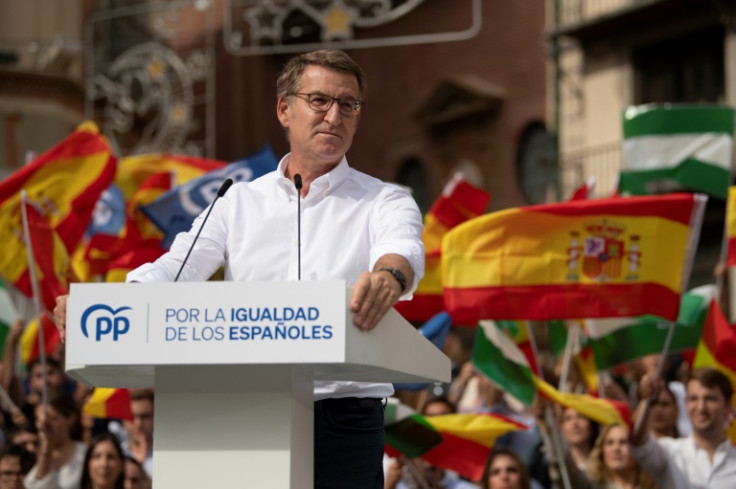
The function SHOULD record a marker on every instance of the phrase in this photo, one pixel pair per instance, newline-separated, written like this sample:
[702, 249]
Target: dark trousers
[348, 443]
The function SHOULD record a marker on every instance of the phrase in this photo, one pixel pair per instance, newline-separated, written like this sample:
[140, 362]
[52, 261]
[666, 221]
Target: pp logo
[105, 321]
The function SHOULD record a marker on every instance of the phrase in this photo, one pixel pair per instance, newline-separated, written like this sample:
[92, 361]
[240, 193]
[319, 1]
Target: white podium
[233, 366]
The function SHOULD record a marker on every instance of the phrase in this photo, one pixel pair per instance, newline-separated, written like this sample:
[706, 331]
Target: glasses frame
[355, 111]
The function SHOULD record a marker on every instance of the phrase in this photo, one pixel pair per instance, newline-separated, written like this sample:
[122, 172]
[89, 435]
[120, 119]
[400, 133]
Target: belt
[346, 403]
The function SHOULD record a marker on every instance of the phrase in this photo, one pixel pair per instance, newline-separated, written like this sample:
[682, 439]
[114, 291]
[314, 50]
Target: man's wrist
[397, 274]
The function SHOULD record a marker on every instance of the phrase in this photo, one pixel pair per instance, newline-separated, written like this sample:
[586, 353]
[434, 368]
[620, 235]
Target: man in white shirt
[353, 227]
[706, 458]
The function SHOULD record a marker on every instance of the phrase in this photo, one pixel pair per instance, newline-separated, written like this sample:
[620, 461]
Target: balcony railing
[602, 162]
[573, 12]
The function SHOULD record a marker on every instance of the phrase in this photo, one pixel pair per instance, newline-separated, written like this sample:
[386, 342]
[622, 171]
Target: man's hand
[60, 316]
[374, 294]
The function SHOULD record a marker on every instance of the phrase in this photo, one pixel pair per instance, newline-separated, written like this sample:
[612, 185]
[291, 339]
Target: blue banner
[175, 211]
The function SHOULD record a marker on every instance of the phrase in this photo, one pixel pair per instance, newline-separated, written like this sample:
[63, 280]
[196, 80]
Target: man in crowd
[354, 227]
[704, 459]
[15, 462]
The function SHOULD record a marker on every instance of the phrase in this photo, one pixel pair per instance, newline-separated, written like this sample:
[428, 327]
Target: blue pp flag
[435, 330]
[175, 211]
[109, 214]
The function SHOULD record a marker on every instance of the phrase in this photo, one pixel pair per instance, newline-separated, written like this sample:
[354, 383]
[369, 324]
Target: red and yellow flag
[467, 439]
[29, 345]
[109, 403]
[66, 181]
[458, 202]
[716, 350]
[595, 258]
[602, 411]
[731, 228]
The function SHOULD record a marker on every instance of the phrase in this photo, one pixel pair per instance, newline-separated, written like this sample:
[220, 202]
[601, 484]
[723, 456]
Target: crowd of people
[48, 442]
[681, 441]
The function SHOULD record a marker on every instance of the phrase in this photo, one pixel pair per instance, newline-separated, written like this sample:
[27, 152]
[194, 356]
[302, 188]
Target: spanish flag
[459, 202]
[109, 403]
[67, 180]
[29, 344]
[582, 259]
[467, 439]
[731, 228]
[602, 411]
[716, 350]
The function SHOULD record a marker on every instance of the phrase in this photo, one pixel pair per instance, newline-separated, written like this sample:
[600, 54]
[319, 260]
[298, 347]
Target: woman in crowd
[135, 476]
[580, 434]
[611, 465]
[60, 455]
[663, 414]
[505, 470]
[103, 464]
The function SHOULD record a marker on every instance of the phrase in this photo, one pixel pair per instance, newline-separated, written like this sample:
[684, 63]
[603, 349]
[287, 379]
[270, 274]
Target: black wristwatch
[397, 275]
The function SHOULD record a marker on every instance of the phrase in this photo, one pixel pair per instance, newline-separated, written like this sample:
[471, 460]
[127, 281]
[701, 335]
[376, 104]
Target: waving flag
[598, 258]
[66, 181]
[458, 202]
[176, 210]
[109, 403]
[406, 431]
[602, 411]
[499, 358]
[467, 440]
[29, 344]
[689, 144]
[8, 315]
[620, 340]
[584, 191]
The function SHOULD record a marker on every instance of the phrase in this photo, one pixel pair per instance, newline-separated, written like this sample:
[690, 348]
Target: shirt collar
[322, 185]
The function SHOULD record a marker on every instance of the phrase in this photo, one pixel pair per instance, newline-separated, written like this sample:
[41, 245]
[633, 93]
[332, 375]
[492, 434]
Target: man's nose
[333, 115]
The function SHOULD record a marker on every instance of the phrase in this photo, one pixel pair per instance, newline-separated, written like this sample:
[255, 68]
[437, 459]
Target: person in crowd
[705, 458]
[103, 464]
[15, 462]
[361, 230]
[580, 434]
[505, 470]
[135, 476]
[24, 435]
[611, 465]
[139, 432]
[663, 414]
[60, 455]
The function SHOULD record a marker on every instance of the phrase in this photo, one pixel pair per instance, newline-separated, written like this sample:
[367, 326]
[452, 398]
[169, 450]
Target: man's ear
[282, 111]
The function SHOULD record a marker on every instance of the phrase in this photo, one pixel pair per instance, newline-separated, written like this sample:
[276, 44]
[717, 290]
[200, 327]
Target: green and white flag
[407, 431]
[497, 356]
[690, 145]
[7, 316]
[619, 340]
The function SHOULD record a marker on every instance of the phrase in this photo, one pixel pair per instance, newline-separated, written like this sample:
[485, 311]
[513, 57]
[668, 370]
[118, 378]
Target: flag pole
[567, 357]
[549, 417]
[36, 296]
[660, 366]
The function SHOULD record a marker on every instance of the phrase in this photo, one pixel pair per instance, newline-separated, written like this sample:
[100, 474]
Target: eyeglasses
[319, 102]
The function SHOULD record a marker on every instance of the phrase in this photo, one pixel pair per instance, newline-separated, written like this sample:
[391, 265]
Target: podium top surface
[119, 334]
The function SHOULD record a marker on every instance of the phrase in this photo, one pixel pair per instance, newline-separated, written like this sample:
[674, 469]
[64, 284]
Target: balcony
[602, 162]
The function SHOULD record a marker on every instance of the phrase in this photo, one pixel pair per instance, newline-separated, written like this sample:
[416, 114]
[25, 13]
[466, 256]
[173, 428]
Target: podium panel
[233, 366]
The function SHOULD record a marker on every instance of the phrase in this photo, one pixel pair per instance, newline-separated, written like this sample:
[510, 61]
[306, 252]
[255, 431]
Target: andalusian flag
[109, 403]
[8, 315]
[688, 145]
[499, 358]
[467, 439]
[583, 259]
[459, 202]
[620, 340]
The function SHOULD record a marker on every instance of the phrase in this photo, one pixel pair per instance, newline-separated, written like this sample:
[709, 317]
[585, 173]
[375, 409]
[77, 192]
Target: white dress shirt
[348, 221]
[681, 463]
